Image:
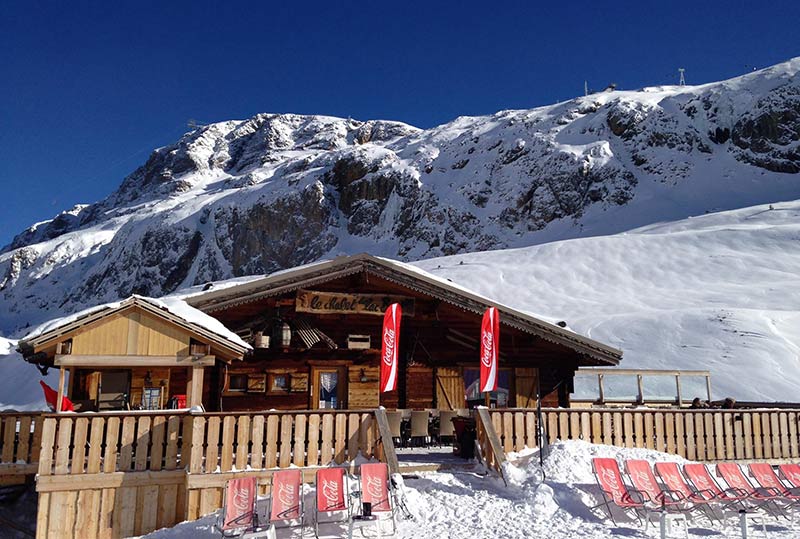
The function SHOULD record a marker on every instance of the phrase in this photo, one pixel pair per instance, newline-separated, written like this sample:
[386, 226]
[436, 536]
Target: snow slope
[19, 380]
[720, 292]
[466, 506]
[273, 191]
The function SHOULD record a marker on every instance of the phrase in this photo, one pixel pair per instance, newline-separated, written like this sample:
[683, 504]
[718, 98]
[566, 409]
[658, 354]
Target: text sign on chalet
[310, 301]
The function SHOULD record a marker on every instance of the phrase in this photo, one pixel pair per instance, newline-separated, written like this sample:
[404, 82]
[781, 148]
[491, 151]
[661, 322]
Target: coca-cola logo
[794, 477]
[612, 483]
[330, 491]
[388, 343]
[374, 488]
[242, 500]
[488, 344]
[702, 483]
[287, 497]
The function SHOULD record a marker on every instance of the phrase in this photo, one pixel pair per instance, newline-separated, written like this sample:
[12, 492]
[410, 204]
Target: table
[361, 521]
[669, 521]
[748, 517]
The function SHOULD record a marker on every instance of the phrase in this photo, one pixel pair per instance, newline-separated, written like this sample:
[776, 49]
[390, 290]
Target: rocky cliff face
[273, 191]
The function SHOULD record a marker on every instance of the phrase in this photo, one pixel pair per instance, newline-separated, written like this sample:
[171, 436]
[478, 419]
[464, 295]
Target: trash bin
[466, 433]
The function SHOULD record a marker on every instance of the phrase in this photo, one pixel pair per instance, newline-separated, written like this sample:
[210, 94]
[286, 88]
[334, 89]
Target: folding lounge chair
[758, 497]
[791, 472]
[703, 482]
[374, 487]
[330, 502]
[672, 477]
[615, 492]
[239, 507]
[641, 475]
[768, 480]
[286, 499]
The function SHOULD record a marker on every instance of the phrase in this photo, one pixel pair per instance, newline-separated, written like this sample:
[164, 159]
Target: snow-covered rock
[248, 197]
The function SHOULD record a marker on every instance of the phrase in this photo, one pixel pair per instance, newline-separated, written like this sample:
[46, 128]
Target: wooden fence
[20, 441]
[116, 475]
[702, 435]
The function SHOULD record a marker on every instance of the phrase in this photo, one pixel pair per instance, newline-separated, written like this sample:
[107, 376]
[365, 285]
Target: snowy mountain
[249, 197]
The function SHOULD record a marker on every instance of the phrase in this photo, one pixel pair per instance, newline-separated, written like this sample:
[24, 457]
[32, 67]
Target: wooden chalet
[138, 353]
[315, 333]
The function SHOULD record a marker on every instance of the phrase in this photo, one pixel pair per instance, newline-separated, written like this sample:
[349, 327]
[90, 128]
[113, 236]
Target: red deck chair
[791, 472]
[239, 507]
[330, 502]
[704, 483]
[375, 491]
[671, 476]
[734, 476]
[768, 481]
[641, 475]
[614, 491]
[286, 499]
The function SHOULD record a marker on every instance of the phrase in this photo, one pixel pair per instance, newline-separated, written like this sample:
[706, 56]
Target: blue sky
[88, 89]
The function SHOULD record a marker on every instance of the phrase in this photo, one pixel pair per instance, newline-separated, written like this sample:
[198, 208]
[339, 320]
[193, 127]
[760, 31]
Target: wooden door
[328, 387]
[450, 393]
[525, 387]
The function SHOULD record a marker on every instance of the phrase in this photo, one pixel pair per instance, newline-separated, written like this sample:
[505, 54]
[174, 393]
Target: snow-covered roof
[318, 272]
[177, 307]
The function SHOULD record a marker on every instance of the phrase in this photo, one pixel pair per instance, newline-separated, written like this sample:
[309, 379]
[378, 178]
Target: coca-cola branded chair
[239, 507]
[286, 499]
[377, 505]
[331, 501]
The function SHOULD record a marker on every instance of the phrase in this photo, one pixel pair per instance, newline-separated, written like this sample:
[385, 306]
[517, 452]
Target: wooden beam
[71, 360]
[389, 455]
[194, 389]
[60, 397]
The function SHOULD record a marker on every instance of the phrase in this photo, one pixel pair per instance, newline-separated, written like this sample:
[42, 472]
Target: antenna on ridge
[194, 124]
[682, 82]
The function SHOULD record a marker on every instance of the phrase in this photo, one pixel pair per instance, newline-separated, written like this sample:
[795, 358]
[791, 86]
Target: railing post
[387, 445]
[601, 389]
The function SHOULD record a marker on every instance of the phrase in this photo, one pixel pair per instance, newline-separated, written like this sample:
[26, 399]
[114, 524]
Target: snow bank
[19, 381]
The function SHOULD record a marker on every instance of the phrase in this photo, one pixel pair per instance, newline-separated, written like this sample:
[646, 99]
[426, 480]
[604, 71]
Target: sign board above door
[311, 301]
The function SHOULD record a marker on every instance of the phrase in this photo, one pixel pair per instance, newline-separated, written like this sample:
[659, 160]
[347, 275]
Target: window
[237, 382]
[279, 383]
[151, 398]
[498, 399]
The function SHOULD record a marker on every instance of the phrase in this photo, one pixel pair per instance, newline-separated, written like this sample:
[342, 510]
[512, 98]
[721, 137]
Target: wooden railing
[20, 441]
[491, 450]
[702, 435]
[116, 475]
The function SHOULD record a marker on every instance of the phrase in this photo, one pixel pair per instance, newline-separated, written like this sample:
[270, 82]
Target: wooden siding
[525, 387]
[132, 332]
[363, 394]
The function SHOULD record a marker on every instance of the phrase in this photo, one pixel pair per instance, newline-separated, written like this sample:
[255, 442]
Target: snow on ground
[461, 505]
[719, 292]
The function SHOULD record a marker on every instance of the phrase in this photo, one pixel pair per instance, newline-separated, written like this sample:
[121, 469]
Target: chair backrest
[285, 495]
[446, 427]
[792, 474]
[700, 478]
[419, 423]
[330, 490]
[240, 502]
[643, 479]
[462, 412]
[671, 475]
[610, 479]
[406, 412]
[732, 474]
[395, 420]
[434, 412]
[375, 486]
[765, 476]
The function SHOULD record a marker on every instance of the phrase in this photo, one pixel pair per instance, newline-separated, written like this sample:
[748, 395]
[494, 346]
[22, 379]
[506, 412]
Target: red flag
[490, 343]
[390, 341]
[51, 396]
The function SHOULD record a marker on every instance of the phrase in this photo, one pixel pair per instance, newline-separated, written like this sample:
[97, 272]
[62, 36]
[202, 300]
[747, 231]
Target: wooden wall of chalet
[131, 332]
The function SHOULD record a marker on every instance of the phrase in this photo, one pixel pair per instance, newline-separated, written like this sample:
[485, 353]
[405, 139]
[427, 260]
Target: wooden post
[488, 398]
[60, 397]
[708, 387]
[194, 387]
[601, 389]
[640, 388]
[389, 455]
[678, 388]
